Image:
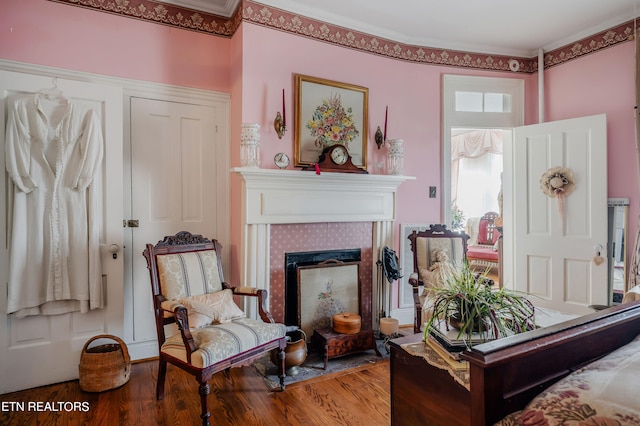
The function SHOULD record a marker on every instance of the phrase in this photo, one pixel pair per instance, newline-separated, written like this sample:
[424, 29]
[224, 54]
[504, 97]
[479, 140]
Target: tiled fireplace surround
[287, 211]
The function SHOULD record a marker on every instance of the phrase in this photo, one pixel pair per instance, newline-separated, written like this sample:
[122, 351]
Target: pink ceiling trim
[256, 13]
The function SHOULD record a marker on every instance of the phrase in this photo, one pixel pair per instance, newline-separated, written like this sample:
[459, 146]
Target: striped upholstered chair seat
[218, 342]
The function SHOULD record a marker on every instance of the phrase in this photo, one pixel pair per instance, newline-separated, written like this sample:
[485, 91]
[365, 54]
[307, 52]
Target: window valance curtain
[471, 144]
[476, 143]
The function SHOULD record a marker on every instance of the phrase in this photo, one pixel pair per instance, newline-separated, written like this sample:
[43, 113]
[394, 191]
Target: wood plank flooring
[355, 397]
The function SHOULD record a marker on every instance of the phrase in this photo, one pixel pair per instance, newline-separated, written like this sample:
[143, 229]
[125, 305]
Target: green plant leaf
[478, 307]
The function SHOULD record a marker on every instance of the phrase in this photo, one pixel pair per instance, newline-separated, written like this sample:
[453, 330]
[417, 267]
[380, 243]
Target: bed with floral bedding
[602, 393]
[581, 372]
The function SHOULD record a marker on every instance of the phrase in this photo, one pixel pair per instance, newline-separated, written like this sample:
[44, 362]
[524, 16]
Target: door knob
[114, 249]
[597, 259]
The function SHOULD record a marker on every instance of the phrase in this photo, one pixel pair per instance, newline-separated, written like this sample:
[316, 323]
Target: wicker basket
[104, 367]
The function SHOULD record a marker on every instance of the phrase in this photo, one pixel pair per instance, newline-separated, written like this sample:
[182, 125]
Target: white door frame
[477, 120]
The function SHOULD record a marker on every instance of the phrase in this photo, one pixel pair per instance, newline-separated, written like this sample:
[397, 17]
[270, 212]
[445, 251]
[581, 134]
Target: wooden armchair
[213, 334]
[424, 246]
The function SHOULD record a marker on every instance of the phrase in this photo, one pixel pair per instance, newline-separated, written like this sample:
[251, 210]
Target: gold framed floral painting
[327, 113]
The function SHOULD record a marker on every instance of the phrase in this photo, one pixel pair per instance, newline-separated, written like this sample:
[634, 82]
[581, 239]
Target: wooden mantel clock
[336, 158]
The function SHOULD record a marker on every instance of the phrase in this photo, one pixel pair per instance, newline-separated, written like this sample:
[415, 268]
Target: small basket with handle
[104, 367]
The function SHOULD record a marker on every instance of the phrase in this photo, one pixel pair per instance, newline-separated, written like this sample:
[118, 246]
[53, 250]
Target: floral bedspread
[604, 393]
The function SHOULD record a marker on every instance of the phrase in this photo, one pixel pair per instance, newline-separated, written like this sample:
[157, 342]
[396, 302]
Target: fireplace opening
[303, 262]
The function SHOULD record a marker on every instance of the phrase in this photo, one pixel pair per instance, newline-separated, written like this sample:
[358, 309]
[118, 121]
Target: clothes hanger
[52, 93]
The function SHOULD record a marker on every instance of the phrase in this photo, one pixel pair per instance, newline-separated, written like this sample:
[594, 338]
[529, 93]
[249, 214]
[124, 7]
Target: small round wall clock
[282, 160]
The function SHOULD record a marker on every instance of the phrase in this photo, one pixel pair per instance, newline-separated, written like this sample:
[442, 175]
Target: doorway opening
[478, 116]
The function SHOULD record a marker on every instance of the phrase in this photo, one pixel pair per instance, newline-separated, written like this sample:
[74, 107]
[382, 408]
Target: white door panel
[174, 184]
[553, 250]
[40, 350]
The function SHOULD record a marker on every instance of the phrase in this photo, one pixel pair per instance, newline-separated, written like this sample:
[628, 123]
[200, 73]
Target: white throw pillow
[212, 308]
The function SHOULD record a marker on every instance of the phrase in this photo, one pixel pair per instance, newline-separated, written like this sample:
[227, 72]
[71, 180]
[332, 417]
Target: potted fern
[468, 303]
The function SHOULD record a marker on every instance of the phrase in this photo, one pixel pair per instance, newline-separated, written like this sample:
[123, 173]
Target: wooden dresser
[422, 394]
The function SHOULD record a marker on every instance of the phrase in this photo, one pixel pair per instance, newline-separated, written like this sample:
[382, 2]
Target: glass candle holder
[395, 157]
[250, 145]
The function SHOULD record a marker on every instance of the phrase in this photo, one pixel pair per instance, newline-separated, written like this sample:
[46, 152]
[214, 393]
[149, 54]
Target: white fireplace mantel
[294, 196]
[271, 196]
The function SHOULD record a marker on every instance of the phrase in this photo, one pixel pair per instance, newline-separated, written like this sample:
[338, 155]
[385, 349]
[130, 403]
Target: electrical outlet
[432, 192]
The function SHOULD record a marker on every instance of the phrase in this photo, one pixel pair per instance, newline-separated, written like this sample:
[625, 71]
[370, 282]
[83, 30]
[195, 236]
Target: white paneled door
[555, 244]
[39, 350]
[174, 188]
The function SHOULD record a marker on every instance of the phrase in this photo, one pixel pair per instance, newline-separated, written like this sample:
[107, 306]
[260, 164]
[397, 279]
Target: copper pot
[294, 354]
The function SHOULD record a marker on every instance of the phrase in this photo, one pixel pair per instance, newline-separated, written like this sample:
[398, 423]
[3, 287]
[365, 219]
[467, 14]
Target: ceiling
[504, 27]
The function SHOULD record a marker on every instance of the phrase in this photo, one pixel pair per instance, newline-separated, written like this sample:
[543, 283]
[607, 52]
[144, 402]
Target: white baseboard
[403, 315]
[142, 350]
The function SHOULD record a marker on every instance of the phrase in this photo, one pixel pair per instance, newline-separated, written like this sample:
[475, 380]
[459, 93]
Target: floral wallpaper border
[162, 13]
[256, 13]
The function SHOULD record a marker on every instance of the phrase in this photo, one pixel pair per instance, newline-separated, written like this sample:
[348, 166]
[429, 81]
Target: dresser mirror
[617, 248]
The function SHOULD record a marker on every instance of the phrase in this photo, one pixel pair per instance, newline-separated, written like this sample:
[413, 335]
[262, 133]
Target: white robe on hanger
[54, 152]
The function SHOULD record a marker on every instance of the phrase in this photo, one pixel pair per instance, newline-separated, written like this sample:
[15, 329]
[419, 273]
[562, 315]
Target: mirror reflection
[616, 248]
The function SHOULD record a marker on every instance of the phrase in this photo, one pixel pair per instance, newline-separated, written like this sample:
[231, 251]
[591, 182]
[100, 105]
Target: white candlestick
[388, 326]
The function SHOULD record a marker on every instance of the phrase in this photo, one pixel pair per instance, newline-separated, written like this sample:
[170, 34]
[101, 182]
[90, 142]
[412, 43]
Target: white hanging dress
[54, 152]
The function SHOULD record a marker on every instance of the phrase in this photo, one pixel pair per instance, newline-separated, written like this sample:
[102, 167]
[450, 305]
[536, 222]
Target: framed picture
[327, 289]
[328, 112]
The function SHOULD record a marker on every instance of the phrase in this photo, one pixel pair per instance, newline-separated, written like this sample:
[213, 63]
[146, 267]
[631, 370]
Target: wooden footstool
[336, 345]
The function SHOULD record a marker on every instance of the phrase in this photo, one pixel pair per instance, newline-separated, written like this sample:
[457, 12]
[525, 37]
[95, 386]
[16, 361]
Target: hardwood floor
[354, 397]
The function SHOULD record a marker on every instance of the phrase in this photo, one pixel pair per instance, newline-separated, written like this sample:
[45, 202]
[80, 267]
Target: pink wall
[597, 84]
[58, 35]
[411, 91]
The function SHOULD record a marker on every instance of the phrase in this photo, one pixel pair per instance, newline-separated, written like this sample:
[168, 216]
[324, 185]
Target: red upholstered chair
[213, 334]
[484, 253]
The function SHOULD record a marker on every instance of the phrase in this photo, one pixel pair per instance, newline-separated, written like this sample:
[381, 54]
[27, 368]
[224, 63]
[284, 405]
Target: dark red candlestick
[386, 113]
[284, 113]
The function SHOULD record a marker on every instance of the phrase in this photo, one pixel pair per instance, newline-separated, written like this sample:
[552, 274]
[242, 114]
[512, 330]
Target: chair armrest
[415, 282]
[182, 319]
[261, 294]
[246, 291]
[170, 306]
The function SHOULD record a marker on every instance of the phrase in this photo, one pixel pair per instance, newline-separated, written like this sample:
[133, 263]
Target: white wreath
[558, 182]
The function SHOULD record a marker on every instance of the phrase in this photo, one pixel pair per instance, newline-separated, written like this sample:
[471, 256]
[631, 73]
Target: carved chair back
[424, 243]
[423, 247]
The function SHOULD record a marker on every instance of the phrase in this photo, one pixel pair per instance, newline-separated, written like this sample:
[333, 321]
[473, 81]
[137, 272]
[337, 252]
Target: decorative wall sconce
[280, 123]
[380, 138]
